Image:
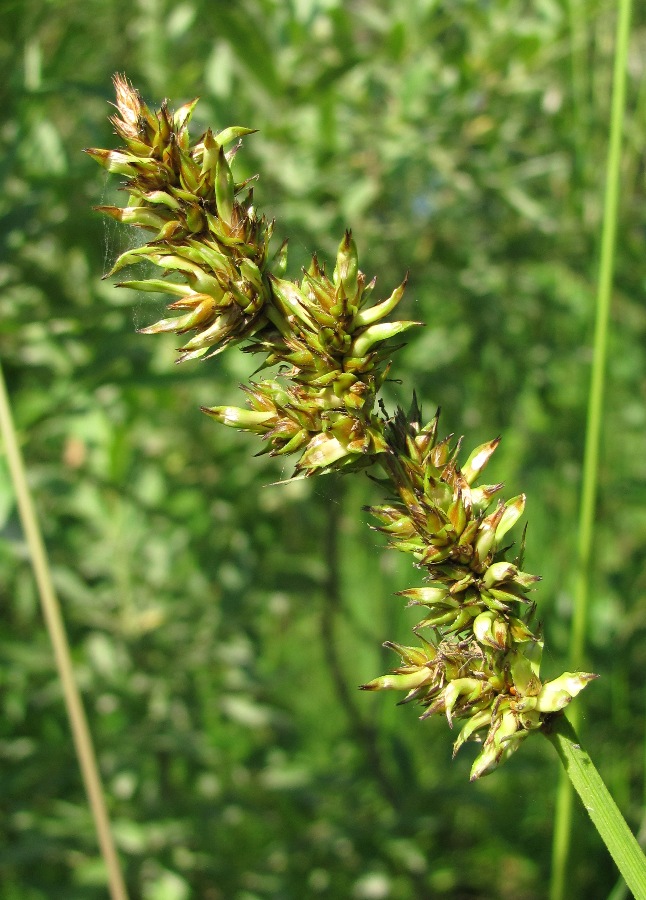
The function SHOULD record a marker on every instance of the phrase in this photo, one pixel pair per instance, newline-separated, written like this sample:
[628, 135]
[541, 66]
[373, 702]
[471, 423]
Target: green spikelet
[486, 668]
[206, 238]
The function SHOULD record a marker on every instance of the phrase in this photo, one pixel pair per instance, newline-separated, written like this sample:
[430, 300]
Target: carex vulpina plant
[324, 352]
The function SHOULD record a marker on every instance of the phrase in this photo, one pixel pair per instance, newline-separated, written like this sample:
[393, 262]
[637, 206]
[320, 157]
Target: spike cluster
[482, 661]
[213, 251]
[479, 658]
[333, 344]
[205, 230]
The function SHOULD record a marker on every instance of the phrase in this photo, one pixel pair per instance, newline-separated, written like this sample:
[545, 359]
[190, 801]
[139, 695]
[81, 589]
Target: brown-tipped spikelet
[333, 345]
[206, 238]
[486, 668]
[478, 660]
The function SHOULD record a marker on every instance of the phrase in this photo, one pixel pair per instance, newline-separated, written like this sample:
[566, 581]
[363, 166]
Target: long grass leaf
[563, 822]
[56, 628]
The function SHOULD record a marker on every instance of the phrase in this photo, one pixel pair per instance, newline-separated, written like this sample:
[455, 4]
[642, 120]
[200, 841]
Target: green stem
[600, 806]
[596, 396]
[56, 628]
[594, 420]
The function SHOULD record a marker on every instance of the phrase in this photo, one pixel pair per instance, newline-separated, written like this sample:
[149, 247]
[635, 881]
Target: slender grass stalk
[54, 621]
[593, 429]
[600, 806]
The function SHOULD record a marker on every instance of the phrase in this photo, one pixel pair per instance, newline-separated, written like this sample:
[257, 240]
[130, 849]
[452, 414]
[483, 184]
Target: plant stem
[596, 396]
[594, 419]
[601, 808]
[56, 628]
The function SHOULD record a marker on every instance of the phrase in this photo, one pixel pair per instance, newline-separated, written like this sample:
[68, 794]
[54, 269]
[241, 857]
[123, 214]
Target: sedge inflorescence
[477, 657]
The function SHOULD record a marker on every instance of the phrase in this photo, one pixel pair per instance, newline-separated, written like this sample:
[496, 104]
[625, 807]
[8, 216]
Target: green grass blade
[56, 628]
[594, 421]
[600, 806]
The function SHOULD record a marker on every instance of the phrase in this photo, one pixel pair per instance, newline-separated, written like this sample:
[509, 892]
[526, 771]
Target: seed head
[478, 656]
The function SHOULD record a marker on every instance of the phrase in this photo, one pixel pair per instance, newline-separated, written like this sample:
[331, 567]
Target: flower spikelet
[482, 660]
[208, 242]
[335, 350]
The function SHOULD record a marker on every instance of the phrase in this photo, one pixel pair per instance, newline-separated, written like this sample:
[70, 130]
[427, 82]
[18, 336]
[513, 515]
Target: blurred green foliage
[219, 623]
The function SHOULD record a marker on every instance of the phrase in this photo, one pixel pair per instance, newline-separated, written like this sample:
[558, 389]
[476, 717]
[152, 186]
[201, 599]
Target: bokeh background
[220, 625]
